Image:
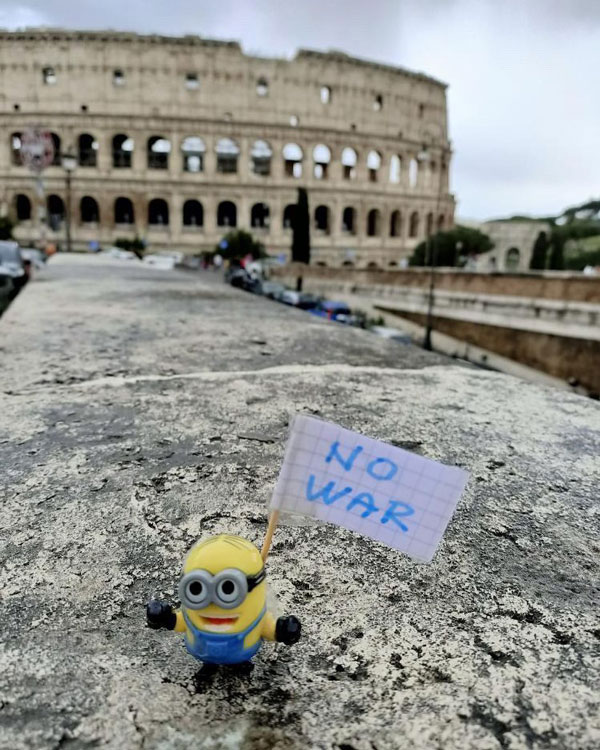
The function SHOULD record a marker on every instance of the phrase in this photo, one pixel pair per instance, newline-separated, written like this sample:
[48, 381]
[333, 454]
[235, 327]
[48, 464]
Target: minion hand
[287, 630]
[160, 615]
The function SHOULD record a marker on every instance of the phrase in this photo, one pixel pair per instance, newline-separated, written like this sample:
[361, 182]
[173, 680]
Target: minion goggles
[226, 589]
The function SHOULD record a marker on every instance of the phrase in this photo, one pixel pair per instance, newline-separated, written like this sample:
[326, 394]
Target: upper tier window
[118, 77]
[378, 103]
[262, 87]
[191, 81]
[325, 94]
[49, 76]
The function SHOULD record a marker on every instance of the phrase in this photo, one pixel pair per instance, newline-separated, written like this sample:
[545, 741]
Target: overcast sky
[524, 75]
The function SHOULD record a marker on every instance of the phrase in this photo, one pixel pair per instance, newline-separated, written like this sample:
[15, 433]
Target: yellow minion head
[223, 589]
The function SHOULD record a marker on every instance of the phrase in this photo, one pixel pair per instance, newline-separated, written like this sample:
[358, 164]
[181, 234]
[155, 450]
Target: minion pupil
[195, 588]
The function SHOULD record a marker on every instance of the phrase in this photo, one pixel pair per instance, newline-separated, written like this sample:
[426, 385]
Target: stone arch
[158, 151]
[262, 86]
[349, 220]
[395, 168]
[321, 159]
[158, 212]
[193, 213]
[325, 94]
[124, 213]
[512, 258]
[15, 149]
[289, 215]
[87, 150]
[227, 151]
[429, 225]
[413, 230]
[226, 214]
[396, 224]
[348, 263]
[322, 219]
[56, 210]
[292, 158]
[441, 222]
[56, 159]
[260, 216]
[349, 162]
[261, 155]
[413, 173]
[192, 152]
[122, 151]
[89, 213]
[22, 207]
[374, 223]
[373, 165]
[372, 264]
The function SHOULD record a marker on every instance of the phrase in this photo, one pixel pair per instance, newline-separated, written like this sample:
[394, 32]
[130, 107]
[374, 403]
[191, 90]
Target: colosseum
[178, 139]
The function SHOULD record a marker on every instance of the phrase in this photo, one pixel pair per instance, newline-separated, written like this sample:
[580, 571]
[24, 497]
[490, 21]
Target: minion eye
[195, 589]
[228, 590]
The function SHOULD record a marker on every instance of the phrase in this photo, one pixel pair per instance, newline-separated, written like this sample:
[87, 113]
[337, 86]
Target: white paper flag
[374, 488]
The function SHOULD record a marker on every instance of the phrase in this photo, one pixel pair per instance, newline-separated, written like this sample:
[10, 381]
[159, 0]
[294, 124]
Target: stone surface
[144, 409]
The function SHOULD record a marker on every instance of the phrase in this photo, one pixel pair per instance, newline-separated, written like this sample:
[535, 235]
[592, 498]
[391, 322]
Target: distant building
[180, 139]
[513, 243]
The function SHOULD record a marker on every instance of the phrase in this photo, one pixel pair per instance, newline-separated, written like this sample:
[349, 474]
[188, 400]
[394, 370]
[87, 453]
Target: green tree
[540, 251]
[447, 247]
[6, 227]
[557, 245]
[301, 229]
[136, 245]
[240, 244]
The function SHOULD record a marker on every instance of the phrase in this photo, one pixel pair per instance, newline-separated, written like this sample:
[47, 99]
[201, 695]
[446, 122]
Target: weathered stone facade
[179, 138]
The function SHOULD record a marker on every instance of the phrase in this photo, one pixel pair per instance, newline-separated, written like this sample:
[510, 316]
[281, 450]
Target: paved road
[145, 409]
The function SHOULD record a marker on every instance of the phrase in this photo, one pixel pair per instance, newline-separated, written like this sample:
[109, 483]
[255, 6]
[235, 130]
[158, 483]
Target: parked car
[391, 333]
[6, 288]
[12, 264]
[36, 257]
[272, 289]
[303, 300]
[338, 311]
[236, 276]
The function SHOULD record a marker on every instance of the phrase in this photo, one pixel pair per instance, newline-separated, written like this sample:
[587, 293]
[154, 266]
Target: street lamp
[69, 163]
[432, 248]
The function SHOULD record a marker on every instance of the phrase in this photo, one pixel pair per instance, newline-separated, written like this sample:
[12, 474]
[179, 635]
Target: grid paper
[386, 493]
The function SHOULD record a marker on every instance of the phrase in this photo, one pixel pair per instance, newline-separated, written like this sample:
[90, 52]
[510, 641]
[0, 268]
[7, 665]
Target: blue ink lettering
[346, 463]
[391, 513]
[324, 492]
[391, 468]
[367, 501]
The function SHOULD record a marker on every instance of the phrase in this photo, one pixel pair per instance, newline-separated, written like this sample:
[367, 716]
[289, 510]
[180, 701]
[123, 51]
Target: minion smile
[219, 624]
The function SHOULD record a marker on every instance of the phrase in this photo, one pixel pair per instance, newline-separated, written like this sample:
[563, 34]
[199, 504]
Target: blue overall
[221, 648]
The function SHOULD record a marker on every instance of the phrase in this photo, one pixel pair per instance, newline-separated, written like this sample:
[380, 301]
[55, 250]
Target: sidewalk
[145, 409]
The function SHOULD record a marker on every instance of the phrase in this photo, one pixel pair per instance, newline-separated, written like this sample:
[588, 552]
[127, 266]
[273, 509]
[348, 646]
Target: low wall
[547, 285]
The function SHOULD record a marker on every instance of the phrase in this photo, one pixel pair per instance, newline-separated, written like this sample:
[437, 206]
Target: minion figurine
[223, 612]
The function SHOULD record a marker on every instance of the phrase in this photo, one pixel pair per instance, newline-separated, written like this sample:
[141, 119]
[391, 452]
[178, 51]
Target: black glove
[160, 615]
[287, 630]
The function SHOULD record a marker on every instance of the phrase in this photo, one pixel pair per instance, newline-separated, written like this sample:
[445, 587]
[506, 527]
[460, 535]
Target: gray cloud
[524, 74]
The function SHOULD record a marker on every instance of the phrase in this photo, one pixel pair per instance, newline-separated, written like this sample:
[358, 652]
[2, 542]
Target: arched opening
[414, 225]
[349, 220]
[321, 157]
[396, 224]
[193, 214]
[88, 210]
[325, 94]
[348, 263]
[372, 264]
[158, 152]
[321, 263]
[373, 165]
[56, 160]
[392, 264]
[429, 225]
[261, 158]
[373, 223]
[118, 77]
[88, 150]
[289, 215]
[349, 162]
[395, 168]
[262, 87]
[123, 211]
[260, 216]
[23, 207]
[226, 214]
[56, 211]
[15, 149]
[292, 157]
[513, 258]
[322, 219]
[122, 151]
[192, 151]
[227, 156]
[377, 103]
[413, 173]
[158, 212]
[441, 222]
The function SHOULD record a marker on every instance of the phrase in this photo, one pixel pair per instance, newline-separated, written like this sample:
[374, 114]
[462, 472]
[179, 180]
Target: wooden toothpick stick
[273, 518]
